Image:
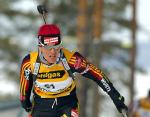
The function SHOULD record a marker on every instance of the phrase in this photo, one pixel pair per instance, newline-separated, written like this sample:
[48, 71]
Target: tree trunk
[81, 35]
[97, 31]
[133, 50]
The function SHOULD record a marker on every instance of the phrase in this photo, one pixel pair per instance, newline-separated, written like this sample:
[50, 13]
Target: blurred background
[113, 34]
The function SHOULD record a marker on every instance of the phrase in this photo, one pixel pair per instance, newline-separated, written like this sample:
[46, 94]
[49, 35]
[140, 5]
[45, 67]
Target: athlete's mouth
[53, 56]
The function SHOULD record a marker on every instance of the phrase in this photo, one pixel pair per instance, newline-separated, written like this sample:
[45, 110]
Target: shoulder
[71, 54]
[144, 103]
[77, 61]
[33, 54]
[28, 61]
[25, 63]
[28, 57]
[68, 54]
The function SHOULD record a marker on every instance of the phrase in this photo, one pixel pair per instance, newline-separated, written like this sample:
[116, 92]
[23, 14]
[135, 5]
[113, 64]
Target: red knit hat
[48, 29]
[48, 34]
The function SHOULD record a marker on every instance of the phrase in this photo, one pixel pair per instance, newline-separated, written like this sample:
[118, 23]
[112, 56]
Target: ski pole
[124, 113]
[43, 11]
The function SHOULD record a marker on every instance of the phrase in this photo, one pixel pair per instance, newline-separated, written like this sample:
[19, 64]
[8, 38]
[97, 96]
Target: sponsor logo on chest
[51, 75]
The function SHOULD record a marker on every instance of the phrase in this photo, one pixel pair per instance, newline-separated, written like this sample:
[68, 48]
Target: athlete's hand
[28, 109]
[117, 99]
[119, 103]
[27, 105]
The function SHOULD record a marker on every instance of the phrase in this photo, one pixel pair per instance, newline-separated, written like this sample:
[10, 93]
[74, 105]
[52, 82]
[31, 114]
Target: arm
[26, 83]
[79, 64]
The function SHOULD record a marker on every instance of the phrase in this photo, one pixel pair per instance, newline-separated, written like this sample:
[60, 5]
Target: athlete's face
[50, 54]
[50, 48]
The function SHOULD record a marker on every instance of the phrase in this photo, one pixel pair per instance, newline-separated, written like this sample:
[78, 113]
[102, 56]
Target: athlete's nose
[52, 51]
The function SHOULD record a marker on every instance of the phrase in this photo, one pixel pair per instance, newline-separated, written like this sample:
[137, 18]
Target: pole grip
[42, 9]
[124, 113]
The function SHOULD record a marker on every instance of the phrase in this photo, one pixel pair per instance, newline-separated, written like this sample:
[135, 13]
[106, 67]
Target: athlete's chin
[52, 60]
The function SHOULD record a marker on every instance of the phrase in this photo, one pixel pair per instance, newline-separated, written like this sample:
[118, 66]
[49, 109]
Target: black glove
[119, 103]
[27, 105]
[117, 99]
[28, 109]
